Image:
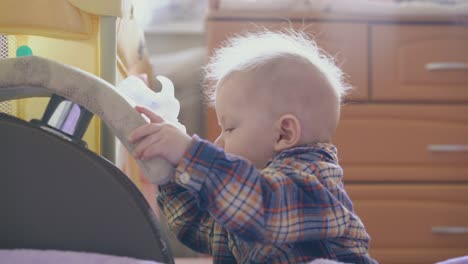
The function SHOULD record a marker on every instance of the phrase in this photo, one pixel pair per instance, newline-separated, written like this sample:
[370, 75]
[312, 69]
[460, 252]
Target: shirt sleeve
[191, 225]
[194, 227]
[278, 204]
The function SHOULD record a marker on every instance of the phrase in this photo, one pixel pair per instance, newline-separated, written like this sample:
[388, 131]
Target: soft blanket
[33, 256]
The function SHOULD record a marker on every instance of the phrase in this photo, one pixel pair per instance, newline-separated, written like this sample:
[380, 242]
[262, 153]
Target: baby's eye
[228, 130]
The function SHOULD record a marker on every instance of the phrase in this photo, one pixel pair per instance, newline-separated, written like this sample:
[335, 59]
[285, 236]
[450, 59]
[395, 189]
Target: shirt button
[185, 178]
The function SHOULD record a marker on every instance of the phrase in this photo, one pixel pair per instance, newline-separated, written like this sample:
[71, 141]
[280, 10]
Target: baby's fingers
[143, 131]
[149, 142]
[153, 117]
[152, 150]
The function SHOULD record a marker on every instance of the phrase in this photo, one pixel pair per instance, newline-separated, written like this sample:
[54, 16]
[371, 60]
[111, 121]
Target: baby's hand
[158, 138]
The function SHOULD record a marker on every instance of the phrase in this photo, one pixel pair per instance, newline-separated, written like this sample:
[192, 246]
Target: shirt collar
[316, 151]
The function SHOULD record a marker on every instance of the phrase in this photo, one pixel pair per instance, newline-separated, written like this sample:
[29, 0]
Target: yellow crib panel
[83, 54]
[66, 31]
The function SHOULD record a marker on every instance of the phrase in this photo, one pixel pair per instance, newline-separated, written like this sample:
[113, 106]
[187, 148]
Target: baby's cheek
[234, 147]
[231, 147]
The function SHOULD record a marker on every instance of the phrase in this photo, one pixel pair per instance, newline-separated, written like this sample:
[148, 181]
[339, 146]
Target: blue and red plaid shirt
[293, 211]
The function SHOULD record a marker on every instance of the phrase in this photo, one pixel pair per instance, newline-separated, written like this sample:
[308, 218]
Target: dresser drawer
[413, 223]
[417, 62]
[348, 43]
[384, 142]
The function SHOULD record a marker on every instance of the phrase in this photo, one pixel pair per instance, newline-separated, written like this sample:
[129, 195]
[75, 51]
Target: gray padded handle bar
[33, 76]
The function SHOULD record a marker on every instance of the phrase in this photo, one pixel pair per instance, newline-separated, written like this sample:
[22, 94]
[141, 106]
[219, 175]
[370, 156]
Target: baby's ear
[289, 132]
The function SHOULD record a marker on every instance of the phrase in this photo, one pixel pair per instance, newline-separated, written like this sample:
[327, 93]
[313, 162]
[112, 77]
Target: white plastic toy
[163, 103]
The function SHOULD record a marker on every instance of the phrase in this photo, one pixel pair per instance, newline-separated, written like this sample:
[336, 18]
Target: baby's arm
[192, 225]
[269, 206]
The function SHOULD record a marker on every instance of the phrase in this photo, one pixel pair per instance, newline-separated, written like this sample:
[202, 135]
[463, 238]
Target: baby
[270, 189]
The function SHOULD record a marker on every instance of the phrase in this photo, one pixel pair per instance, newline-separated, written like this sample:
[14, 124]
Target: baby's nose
[219, 142]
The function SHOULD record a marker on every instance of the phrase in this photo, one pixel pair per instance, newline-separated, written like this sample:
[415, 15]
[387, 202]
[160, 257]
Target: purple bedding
[30, 256]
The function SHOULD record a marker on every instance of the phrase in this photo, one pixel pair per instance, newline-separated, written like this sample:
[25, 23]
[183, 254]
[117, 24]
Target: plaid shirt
[292, 211]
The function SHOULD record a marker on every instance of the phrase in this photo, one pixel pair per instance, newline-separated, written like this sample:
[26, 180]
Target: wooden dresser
[403, 134]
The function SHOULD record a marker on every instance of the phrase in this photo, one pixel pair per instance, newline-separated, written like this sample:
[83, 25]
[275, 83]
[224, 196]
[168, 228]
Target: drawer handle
[447, 148]
[444, 66]
[450, 230]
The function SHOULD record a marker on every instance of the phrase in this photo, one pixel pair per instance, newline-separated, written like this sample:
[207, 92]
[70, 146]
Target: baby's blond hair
[245, 52]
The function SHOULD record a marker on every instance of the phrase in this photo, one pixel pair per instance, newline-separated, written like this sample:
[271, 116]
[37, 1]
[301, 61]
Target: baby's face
[247, 127]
